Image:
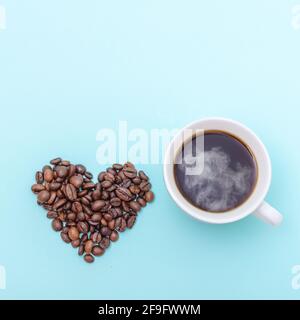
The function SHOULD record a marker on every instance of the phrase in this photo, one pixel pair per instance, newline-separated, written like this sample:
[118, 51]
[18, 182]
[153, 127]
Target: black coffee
[227, 176]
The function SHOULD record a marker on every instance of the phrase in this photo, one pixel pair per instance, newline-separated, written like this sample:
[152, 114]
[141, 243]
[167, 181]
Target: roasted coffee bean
[88, 186]
[96, 217]
[111, 224]
[123, 194]
[131, 222]
[75, 243]
[73, 233]
[83, 227]
[123, 225]
[72, 170]
[76, 207]
[84, 238]
[109, 177]
[61, 171]
[149, 196]
[134, 189]
[43, 196]
[96, 237]
[141, 202]
[106, 184]
[65, 237]
[56, 161]
[87, 210]
[105, 243]
[130, 172]
[96, 195]
[88, 247]
[81, 250]
[76, 181]
[145, 186]
[71, 217]
[52, 215]
[105, 231]
[137, 180]
[65, 163]
[126, 183]
[135, 206]
[54, 186]
[80, 169]
[89, 258]
[81, 216]
[98, 251]
[125, 206]
[48, 175]
[39, 177]
[58, 204]
[57, 225]
[114, 236]
[36, 188]
[88, 175]
[98, 205]
[115, 202]
[107, 217]
[71, 192]
[143, 176]
[52, 197]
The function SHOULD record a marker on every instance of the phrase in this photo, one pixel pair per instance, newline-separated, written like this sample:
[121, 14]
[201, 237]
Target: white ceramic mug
[255, 204]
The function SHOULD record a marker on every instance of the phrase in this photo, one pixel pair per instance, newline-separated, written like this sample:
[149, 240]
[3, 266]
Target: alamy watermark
[296, 277]
[296, 17]
[149, 147]
[2, 18]
[2, 278]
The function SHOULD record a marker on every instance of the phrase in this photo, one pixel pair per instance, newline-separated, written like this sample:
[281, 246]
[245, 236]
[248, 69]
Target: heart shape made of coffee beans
[91, 215]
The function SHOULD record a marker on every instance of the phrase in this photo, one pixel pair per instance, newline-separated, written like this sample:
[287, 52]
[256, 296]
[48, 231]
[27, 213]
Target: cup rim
[250, 205]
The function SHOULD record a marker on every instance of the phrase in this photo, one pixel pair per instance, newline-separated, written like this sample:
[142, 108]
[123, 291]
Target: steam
[221, 185]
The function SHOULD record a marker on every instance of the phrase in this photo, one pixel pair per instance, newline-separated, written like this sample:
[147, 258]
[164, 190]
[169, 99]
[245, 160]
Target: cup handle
[269, 214]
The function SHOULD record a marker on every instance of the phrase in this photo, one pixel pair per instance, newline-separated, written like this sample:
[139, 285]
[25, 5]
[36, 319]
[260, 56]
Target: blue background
[69, 68]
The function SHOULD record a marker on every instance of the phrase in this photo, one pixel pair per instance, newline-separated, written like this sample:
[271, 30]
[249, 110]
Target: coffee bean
[96, 195]
[141, 202]
[105, 231]
[71, 192]
[54, 186]
[123, 225]
[65, 237]
[65, 163]
[76, 181]
[98, 251]
[134, 189]
[145, 186]
[58, 204]
[135, 206]
[83, 227]
[39, 177]
[88, 246]
[88, 175]
[109, 177]
[48, 175]
[143, 176]
[73, 233]
[105, 243]
[130, 172]
[123, 194]
[52, 215]
[149, 196]
[98, 205]
[114, 236]
[52, 197]
[72, 170]
[81, 250]
[96, 237]
[57, 225]
[61, 171]
[75, 243]
[137, 180]
[36, 188]
[56, 161]
[96, 217]
[81, 169]
[43, 196]
[106, 184]
[115, 202]
[131, 222]
[76, 207]
[89, 258]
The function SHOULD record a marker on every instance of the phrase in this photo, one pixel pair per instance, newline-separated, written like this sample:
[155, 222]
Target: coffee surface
[227, 176]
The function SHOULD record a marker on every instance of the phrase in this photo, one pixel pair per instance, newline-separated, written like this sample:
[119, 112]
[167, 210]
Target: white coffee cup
[255, 204]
